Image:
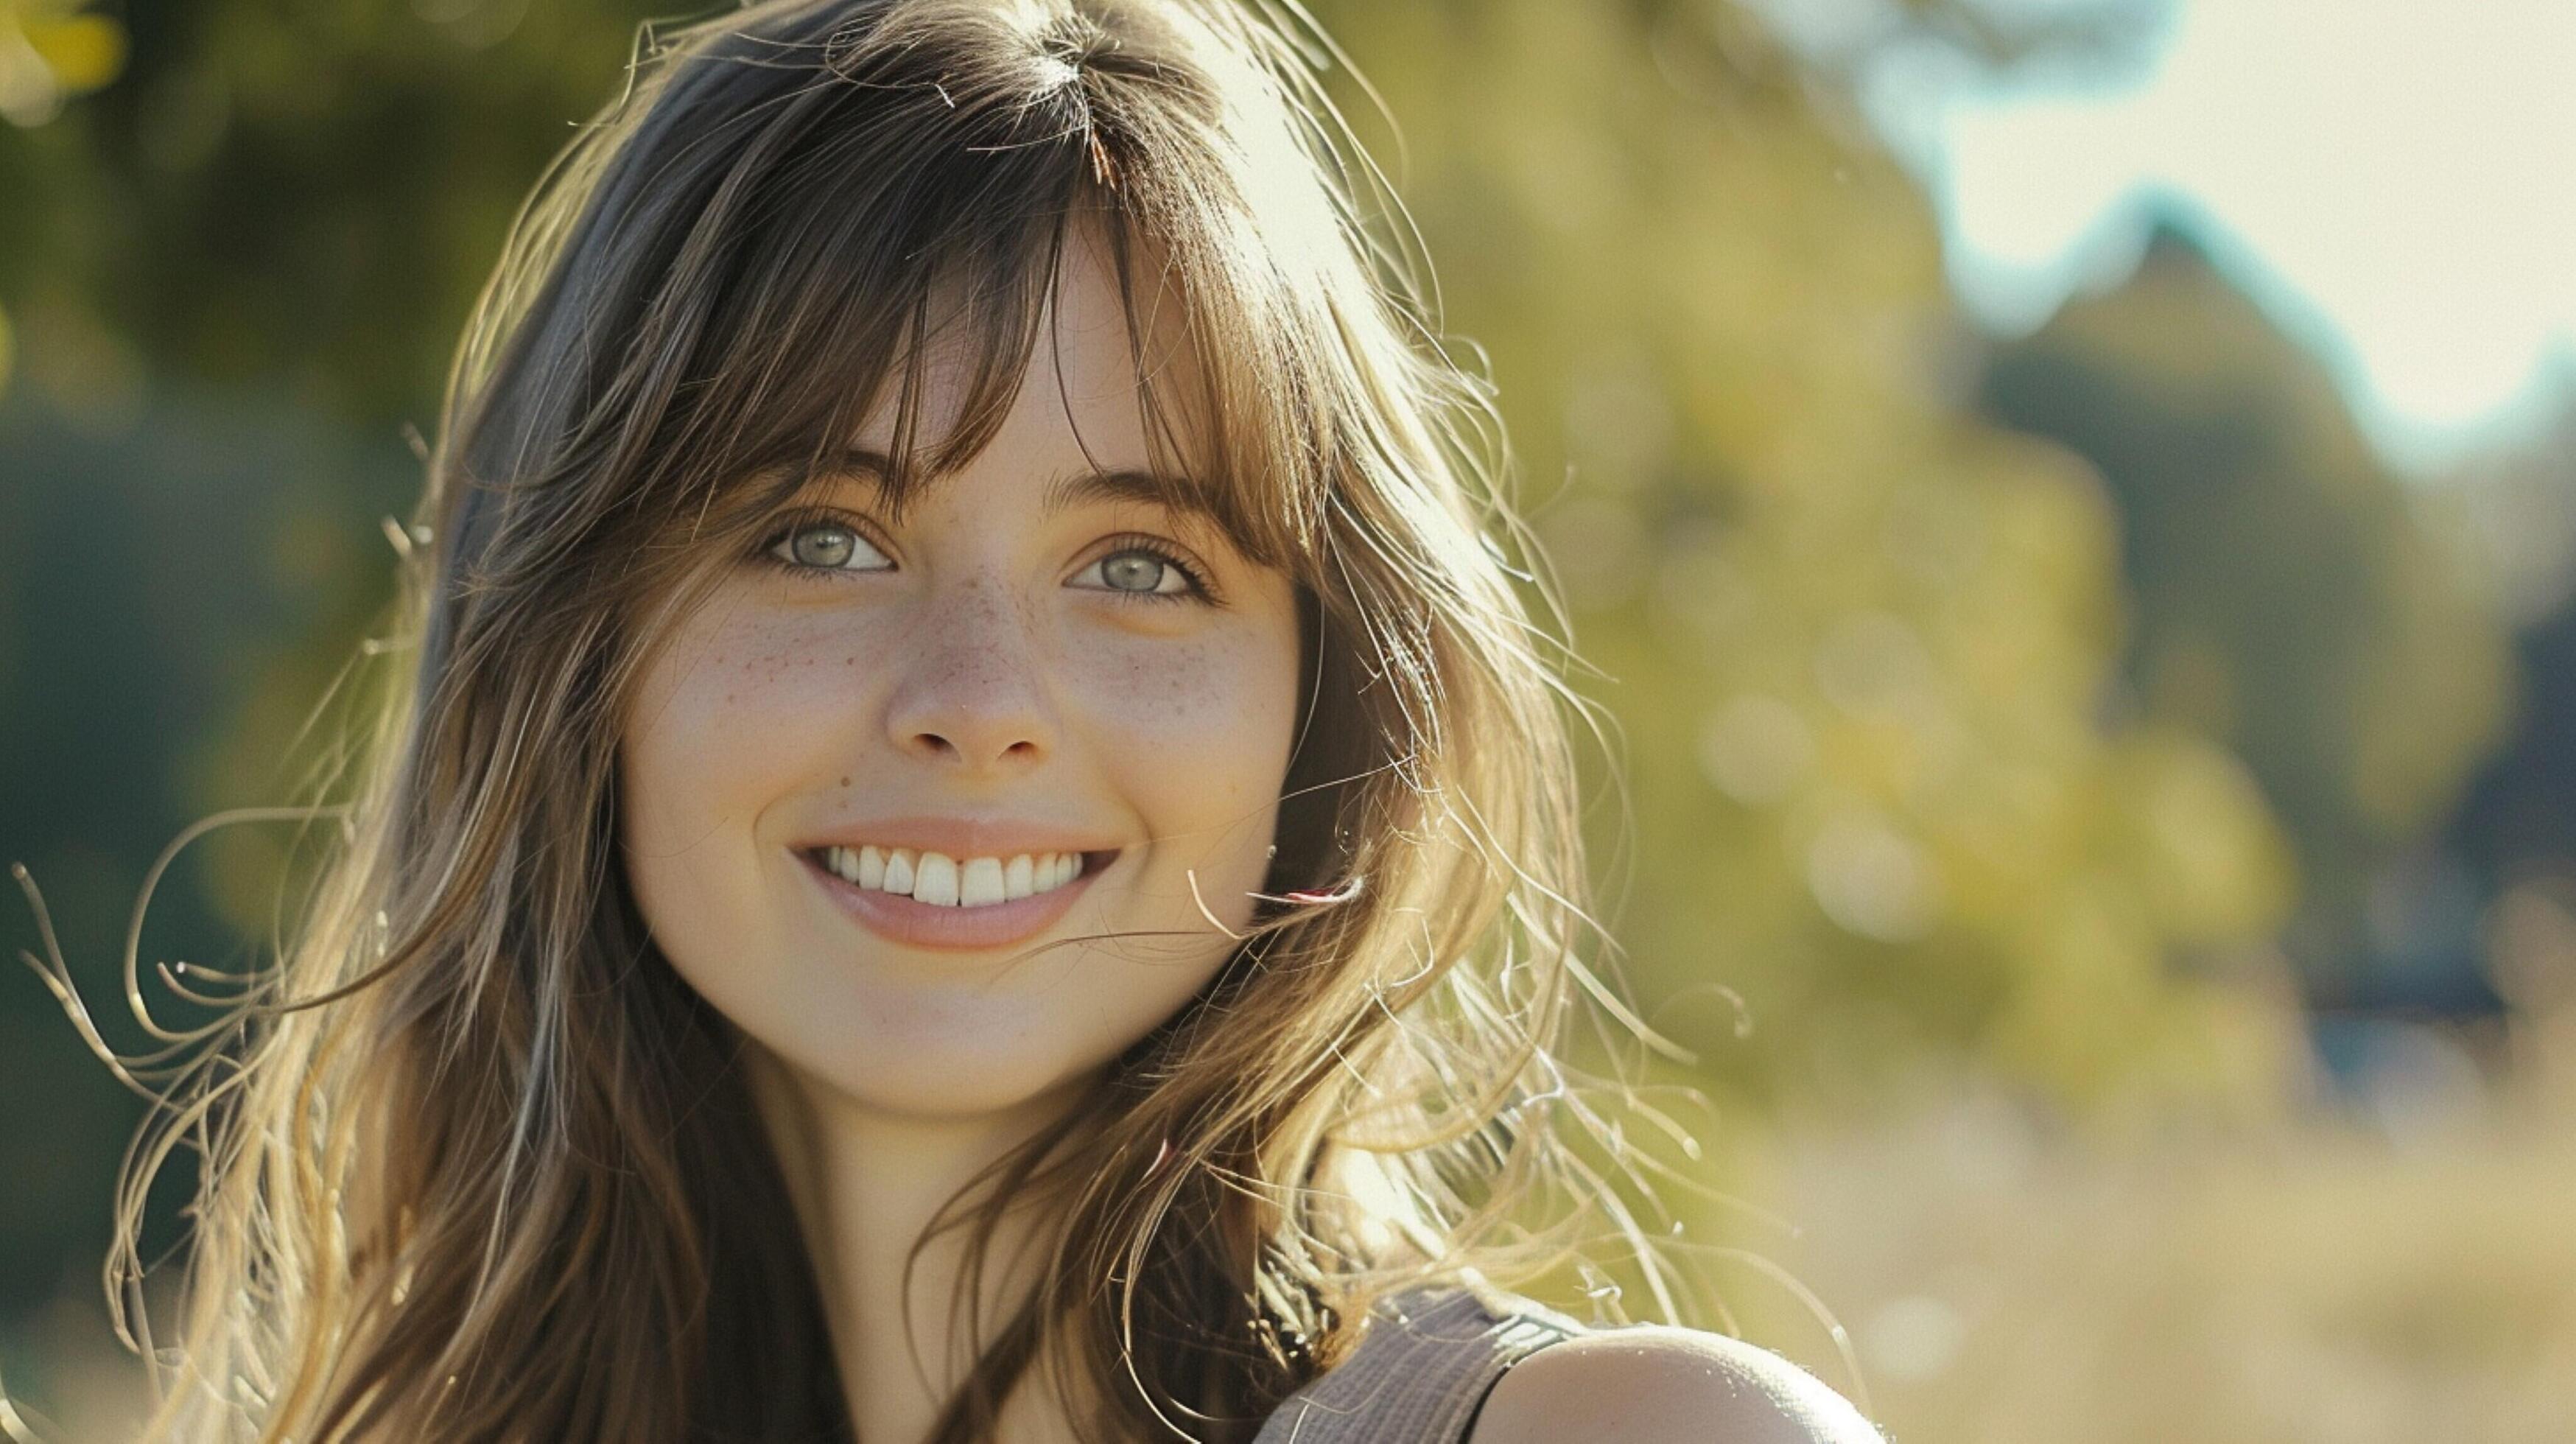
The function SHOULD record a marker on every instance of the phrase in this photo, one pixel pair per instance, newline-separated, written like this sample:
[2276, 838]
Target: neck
[866, 1185]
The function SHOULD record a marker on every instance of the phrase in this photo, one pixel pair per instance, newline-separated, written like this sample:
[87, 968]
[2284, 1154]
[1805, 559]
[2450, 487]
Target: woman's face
[1035, 665]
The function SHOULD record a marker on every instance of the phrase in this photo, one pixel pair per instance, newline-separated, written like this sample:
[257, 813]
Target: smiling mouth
[953, 923]
[937, 879]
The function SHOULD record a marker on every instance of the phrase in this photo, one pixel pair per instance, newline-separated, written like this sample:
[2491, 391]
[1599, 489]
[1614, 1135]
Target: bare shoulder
[1658, 1385]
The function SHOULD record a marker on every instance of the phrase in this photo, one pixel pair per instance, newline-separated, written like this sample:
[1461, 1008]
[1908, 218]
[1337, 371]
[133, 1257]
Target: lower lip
[918, 924]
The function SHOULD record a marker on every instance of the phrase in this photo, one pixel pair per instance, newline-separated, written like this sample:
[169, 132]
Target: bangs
[903, 196]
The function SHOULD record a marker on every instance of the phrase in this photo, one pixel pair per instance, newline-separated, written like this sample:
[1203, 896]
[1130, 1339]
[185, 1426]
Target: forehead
[961, 350]
[1101, 407]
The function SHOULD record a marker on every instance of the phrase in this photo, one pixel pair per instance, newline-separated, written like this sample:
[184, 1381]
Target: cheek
[731, 711]
[729, 718]
[1198, 731]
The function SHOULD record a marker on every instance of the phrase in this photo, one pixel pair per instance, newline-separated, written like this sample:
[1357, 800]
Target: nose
[972, 690]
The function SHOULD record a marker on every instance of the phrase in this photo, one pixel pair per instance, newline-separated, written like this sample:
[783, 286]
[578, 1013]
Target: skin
[1658, 1385]
[977, 659]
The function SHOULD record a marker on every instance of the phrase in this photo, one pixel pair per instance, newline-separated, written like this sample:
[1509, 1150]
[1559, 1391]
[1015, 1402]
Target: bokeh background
[2072, 504]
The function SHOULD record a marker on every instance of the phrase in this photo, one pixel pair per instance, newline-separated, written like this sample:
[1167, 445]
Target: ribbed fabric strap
[1431, 1354]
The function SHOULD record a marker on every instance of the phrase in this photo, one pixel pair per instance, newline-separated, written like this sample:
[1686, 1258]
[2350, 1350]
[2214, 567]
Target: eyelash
[1127, 543]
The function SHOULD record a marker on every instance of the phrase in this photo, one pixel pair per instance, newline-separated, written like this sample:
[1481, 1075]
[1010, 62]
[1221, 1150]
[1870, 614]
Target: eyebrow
[1062, 494]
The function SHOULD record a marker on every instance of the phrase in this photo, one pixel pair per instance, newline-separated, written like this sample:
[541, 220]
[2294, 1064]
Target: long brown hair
[440, 1202]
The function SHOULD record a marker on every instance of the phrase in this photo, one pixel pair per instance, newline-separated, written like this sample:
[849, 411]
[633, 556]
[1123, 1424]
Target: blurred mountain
[2517, 821]
[2288, 596]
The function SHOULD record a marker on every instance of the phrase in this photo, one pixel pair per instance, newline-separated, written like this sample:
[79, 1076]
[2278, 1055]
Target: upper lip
[961, 837]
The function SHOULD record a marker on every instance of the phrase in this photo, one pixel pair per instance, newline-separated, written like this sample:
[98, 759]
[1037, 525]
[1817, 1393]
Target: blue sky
[2394, 179]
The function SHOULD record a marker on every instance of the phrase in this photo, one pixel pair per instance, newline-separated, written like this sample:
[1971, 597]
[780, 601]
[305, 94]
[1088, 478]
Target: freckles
[1212, 699]
[1174, 689]
[771, 659]
[737, 675]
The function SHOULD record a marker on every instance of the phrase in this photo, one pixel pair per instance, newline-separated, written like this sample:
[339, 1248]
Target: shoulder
[1652, 1384]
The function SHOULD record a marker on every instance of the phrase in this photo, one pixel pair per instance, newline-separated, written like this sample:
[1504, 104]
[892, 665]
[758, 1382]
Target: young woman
[972, 840]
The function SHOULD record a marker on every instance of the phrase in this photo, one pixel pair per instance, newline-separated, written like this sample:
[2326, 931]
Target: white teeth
[979, 882]
[934, 880]
[944, 881]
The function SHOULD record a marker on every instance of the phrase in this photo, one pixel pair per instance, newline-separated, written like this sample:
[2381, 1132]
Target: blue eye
[1140, 572]
[1143, 571]
[821, 544]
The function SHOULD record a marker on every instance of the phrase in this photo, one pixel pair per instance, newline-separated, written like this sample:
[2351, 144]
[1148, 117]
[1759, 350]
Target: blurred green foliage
[1859, 638]
[51, 51]
[232, 277]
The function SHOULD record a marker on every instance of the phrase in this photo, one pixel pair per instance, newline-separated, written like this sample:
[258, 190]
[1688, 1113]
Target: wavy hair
[439, 1202]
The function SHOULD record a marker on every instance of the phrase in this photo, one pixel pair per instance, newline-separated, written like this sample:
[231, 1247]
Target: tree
[2293, 600]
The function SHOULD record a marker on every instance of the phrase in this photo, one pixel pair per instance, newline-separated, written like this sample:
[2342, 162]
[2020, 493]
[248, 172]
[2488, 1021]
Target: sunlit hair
[478, 1165]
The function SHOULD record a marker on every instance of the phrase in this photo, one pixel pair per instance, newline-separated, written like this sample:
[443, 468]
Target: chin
[955, 1046]
[941, 1078]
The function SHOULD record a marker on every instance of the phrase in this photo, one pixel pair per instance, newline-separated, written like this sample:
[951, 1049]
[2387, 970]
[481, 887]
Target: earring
[1274, 849]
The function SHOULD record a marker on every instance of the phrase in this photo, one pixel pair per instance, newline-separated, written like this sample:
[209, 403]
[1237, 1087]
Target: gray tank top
[1430, 1355]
